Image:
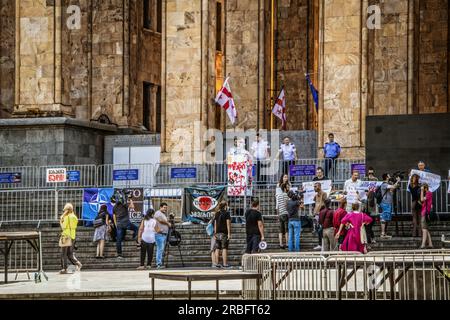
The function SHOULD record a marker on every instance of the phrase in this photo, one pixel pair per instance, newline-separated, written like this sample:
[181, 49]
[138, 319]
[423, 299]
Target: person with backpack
[326, 221]
[146, 238]
[385, 197]
[294, 206]
[101, 224]
[426, 197]
[222, 233]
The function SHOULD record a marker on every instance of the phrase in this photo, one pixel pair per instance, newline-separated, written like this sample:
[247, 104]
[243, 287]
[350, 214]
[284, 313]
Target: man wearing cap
[254, 227]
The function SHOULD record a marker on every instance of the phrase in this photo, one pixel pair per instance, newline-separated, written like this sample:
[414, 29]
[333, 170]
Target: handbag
[65, 241]
[98, 223]
[363, 232]
[210, 229]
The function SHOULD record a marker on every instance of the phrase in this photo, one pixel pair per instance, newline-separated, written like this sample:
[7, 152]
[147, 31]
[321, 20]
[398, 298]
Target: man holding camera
[122, 221]
[161, 237]
[294, 206]
[387, 191]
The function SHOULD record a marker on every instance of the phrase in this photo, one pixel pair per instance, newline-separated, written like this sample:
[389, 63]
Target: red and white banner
[225, 100]
[279, 110]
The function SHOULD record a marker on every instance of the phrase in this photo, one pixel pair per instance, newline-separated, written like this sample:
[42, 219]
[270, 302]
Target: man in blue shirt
[332, 151]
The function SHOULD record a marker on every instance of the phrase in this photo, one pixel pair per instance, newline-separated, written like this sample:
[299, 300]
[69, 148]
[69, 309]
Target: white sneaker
[318, 248]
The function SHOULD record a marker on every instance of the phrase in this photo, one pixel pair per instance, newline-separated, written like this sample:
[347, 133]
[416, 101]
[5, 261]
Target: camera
[121, 196]
[396, 175]
[296, 195]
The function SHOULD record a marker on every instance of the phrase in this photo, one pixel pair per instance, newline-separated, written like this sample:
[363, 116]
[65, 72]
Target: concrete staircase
[195, 245]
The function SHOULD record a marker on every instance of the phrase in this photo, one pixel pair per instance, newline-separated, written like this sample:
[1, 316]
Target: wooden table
[10, 237]
[204, 275]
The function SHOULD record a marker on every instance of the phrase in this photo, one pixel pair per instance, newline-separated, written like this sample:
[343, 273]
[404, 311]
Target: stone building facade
[156, 65]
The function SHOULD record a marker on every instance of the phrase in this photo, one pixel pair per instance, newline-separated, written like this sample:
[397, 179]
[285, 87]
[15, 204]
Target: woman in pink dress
[354, 220]
[426, 196]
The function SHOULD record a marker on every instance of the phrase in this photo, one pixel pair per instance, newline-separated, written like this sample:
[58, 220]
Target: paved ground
[105, 284]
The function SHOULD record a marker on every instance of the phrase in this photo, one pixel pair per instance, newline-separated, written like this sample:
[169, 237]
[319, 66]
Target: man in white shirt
[260, 152]
[289, 152]
[351, 186]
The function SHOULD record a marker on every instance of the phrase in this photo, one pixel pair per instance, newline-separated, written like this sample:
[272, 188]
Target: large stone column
[341, 73]
[38, 59]
[186, 73]
[7, 55]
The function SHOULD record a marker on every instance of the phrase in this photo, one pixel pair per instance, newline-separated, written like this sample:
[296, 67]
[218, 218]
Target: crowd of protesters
[348, 228]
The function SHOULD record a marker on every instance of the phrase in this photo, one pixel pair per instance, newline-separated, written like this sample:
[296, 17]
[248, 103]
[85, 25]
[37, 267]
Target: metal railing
[161, 174]
[402, 275]
[46, 204]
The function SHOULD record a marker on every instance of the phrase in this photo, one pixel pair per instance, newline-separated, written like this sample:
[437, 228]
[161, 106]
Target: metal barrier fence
[47, 204]
[167, 174]
[402, 275]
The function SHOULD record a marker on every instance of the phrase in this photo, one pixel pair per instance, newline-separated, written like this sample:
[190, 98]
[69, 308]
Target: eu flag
[314, 92]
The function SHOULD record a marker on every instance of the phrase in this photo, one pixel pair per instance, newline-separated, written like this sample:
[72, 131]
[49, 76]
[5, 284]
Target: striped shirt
[281, 203]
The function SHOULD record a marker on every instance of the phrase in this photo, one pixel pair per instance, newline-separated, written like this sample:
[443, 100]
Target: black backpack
[379, 195]
[174, 238]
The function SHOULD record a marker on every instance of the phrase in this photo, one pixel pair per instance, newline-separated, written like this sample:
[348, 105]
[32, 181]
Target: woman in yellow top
[69, 223]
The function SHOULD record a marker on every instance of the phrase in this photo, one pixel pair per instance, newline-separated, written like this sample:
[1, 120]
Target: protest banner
[433, 180]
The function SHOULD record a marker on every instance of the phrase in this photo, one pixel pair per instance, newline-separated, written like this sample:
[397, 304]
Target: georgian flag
[279, 110]
[225, 100]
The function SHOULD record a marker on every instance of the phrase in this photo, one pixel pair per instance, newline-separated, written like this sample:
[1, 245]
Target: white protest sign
[308, 187]
[352, 196]
[367, 186]
[433, 180]
[56, 175]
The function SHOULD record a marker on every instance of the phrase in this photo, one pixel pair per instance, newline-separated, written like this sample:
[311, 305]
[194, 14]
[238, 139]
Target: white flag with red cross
[225, 100]
[279, 110]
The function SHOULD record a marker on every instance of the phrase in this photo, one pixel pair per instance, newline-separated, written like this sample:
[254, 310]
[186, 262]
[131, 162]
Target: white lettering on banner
[56, 175]
[308, 187]
[433, 180]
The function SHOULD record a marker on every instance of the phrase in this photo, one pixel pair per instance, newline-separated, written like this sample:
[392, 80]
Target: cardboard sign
[308, 187]
[56, 175]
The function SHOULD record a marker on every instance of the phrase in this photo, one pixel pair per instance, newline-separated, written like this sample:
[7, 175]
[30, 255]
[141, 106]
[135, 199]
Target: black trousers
[67, 254]
[369, 230]
[147, 249]
[253, 242]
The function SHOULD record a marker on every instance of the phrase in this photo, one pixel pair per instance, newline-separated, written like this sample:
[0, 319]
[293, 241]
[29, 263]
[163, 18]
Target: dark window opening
[219, 26]
[159, 15]
[146, 101]
[147, 15]
[158, 110]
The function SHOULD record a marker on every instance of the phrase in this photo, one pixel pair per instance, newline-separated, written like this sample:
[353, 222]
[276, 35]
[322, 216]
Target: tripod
[176, 243]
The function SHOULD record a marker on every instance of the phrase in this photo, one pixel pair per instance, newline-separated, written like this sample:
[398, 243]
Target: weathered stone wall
[389, 60]
[291, 60]
[108, 61]
[145, 60]
[243, 59]
[183, 77]
[433, 56]
[341, 111]
[7, 56]
[51, 141]
[37, 70]
[76, 57]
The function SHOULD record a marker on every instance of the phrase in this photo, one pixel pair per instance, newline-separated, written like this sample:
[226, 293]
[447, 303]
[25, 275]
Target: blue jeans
[121, 235]
[295, 228]
[160, 246]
